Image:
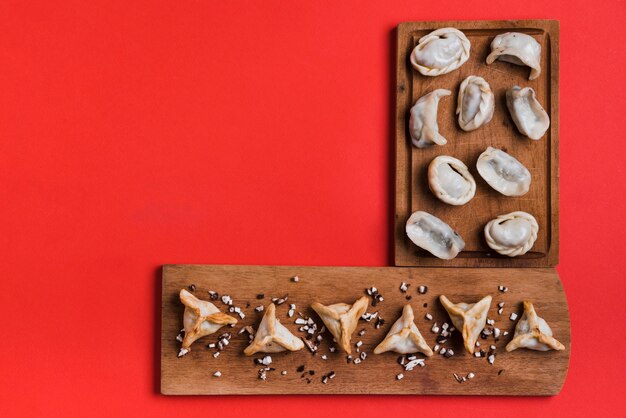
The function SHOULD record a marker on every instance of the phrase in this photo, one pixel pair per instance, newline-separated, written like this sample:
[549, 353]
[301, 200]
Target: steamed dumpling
[529, 117]
[440, 52]
[423, 125]
[503, 172]
[519, 49]
[434, 235]
[512, 234]
[475, 103]
[450, 180]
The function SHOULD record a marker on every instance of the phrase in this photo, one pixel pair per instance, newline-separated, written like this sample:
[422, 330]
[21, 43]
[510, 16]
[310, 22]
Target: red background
[134, 134]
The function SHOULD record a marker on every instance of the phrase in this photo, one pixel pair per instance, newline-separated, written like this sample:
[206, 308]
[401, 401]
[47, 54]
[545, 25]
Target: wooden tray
[522, 372]
[540, 157]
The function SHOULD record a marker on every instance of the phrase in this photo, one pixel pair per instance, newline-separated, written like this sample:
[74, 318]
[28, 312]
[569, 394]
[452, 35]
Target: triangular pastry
[469, 318]
[404, 337]
[201, 318]
[341, 319]
[272, 336]
[533, 332]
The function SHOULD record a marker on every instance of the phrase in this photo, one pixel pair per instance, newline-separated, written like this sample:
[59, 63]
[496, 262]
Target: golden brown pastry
[272, 336]
[469, 318]
[201, 318]
[341, 319]
[533, 332]
[404, 337]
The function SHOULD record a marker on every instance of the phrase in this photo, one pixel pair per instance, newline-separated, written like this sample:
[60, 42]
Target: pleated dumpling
[527, 113]
[512, 234]
[423, 125]
[404, 337]
[503, 172]
[533, 332]
[341, 319]
[475, 103]
[469, 318]
[434, 235]
[440, 52]
[201, 318]
[450, 180]
[272, 336]
[519, 49]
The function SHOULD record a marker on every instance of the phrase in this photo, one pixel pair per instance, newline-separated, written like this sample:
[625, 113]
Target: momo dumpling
[450, 180]
[503, 172]
[529, 117]
[434, 235]
[475, 103]
[533, 332]
[512, 234]
[341, 319]
[404, 337]
[272, 336]
[519, 49]
[423, 125]
[469, 318]
[440, 52]
[201, 318]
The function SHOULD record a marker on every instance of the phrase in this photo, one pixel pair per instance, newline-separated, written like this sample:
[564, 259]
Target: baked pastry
[272, 336]
[529, 117]
[469, 318]
[434, 235]
[519, 49]
[503, 172]
[450, 180]
[533, 332]
[404, 337]
[441, 51]
[341, 319]
[201, 318]
[423, 125]
[512, 234]
[475, 104]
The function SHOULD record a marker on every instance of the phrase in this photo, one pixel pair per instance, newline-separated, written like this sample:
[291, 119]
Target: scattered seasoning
[211, 345]
[404, 287]
[331, 375]
[284, 372]
[379, 322]
[492, 347]
[259, 308]
[226, 300]
[262, 374]
[192, 287]
[436, 347]
[477, 344]
[399, 376]
[501, 305]
[362, 332]
[422, 289]
[491, 359]
[312, 347]
[513, 316]
[496, 333]
[408, 297]
[300, 321]
[363, 355]
[179, 338]
[470, 375]
[500, 310]
[241, 315]
[411, 364]
[369, 316]
[182, 352]
[311, 372]
[358, 344]
[349, 358]
[324, 357]
[441, 339]
[260, 296]
[247, 304]
[435, 328]
[214, 295]
[300, 369]
[357, 360]
[448, 353]
[429, 317]
[503, 289]
[477, 354]
[401, 360]
[505, 333]
[425, 304]
[295, 279]
[332, 349]
[490, 321]
[324, 379]
[216, 354]
[217, 374]
[457, 378]
[442, 351]
[482, 353]
[500, 372]
[267, 360]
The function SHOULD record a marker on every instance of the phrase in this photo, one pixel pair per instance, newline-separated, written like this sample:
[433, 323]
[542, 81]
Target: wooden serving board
[540, 157]
[522, 372]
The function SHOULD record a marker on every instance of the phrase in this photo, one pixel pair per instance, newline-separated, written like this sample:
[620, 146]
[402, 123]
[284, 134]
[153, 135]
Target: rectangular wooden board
[540, 157]
[522, 372]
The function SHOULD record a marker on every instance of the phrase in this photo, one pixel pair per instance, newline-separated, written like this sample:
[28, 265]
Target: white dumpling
[404, 337]
[512, 234]
[529, 117]
[440, 52]
[519, 49]
[434, 235]
[450, 180]
[503, 172]
[475, 103]
[533, 332]
[423, 125]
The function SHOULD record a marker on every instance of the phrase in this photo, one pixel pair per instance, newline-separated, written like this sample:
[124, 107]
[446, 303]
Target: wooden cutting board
[540, 157]
[522, 372]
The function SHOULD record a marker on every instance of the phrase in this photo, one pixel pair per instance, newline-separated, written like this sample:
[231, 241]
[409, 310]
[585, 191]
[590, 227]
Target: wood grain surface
[540, 157]
[522, 372]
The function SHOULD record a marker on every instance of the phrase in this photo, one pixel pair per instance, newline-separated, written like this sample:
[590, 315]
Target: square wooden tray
[540, 157]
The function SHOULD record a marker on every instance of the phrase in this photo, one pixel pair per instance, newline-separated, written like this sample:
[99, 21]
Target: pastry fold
[469, 318]
[272, 336]
[404, 337]
[533, 332]
[341, 319]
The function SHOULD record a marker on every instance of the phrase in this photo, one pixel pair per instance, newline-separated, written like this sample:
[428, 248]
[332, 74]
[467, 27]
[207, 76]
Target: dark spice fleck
[425, 305]
[192, 287]
[311, 372]
[300, 369]
[260, 296]
[247, 304]
[308, 380]
[500, 372]
[409, 297]
[441, 339]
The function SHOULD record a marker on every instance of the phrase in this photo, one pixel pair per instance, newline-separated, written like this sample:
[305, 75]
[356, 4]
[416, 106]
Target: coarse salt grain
[399, 376]
[513, 316]
[217, 374]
